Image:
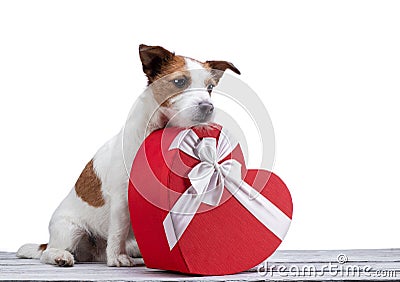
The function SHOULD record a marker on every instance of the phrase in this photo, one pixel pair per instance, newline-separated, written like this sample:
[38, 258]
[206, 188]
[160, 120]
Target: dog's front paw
[57, 257]
[121, 260]
[65, 259]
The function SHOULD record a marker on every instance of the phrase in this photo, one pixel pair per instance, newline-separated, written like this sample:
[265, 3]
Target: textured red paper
[220, 240]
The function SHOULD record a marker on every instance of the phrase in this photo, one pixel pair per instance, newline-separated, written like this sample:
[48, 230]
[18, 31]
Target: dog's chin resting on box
[93, 223]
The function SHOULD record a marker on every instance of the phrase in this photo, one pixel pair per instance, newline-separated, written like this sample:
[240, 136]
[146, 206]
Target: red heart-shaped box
[219, 240]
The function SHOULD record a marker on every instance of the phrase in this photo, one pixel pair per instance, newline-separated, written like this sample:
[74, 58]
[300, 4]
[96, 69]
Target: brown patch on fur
[88, 186]
[222, 66]
[175, 64]
[42, 247]
[218, 68]
[164, 88]
[160, 63]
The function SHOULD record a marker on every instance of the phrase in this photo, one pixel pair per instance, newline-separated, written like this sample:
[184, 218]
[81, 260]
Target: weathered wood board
[307, 265]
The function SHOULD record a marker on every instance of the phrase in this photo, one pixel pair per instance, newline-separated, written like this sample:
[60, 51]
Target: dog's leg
[118, 232]
[64, 237]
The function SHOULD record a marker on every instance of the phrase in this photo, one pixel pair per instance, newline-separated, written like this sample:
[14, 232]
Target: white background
[327, 71]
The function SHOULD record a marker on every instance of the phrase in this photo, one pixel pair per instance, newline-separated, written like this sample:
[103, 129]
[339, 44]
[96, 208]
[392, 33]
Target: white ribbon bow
[208, 179]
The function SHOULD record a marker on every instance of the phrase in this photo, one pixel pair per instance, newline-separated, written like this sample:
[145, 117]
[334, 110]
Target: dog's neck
[144, 118]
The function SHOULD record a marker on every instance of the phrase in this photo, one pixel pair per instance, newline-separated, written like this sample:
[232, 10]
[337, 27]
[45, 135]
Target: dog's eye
[180, 82]
[210, 87]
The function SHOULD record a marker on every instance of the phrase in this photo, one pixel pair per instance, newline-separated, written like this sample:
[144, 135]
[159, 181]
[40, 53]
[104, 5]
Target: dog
[92, 223]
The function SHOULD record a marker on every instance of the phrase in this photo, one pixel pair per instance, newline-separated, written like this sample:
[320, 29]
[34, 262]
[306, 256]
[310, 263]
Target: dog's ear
[153, 57]
[222, 66]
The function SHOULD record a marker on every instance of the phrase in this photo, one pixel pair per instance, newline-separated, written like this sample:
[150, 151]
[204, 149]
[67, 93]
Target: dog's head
[182, 86]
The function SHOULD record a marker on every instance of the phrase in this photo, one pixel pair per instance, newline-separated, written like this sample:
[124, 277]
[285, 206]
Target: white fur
[74, 219]
[185, 106]
[198, 74]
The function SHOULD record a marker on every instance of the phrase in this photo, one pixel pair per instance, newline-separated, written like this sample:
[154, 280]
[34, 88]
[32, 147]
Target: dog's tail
[34, 251]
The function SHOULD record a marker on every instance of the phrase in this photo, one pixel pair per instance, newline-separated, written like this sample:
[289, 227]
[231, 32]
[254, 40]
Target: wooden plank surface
[318, 265]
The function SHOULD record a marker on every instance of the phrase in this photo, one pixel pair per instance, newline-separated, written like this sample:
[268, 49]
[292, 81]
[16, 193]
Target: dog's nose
[206, 107]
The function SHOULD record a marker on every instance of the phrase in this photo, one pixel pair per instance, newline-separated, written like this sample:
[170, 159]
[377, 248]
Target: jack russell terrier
[92, 223]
